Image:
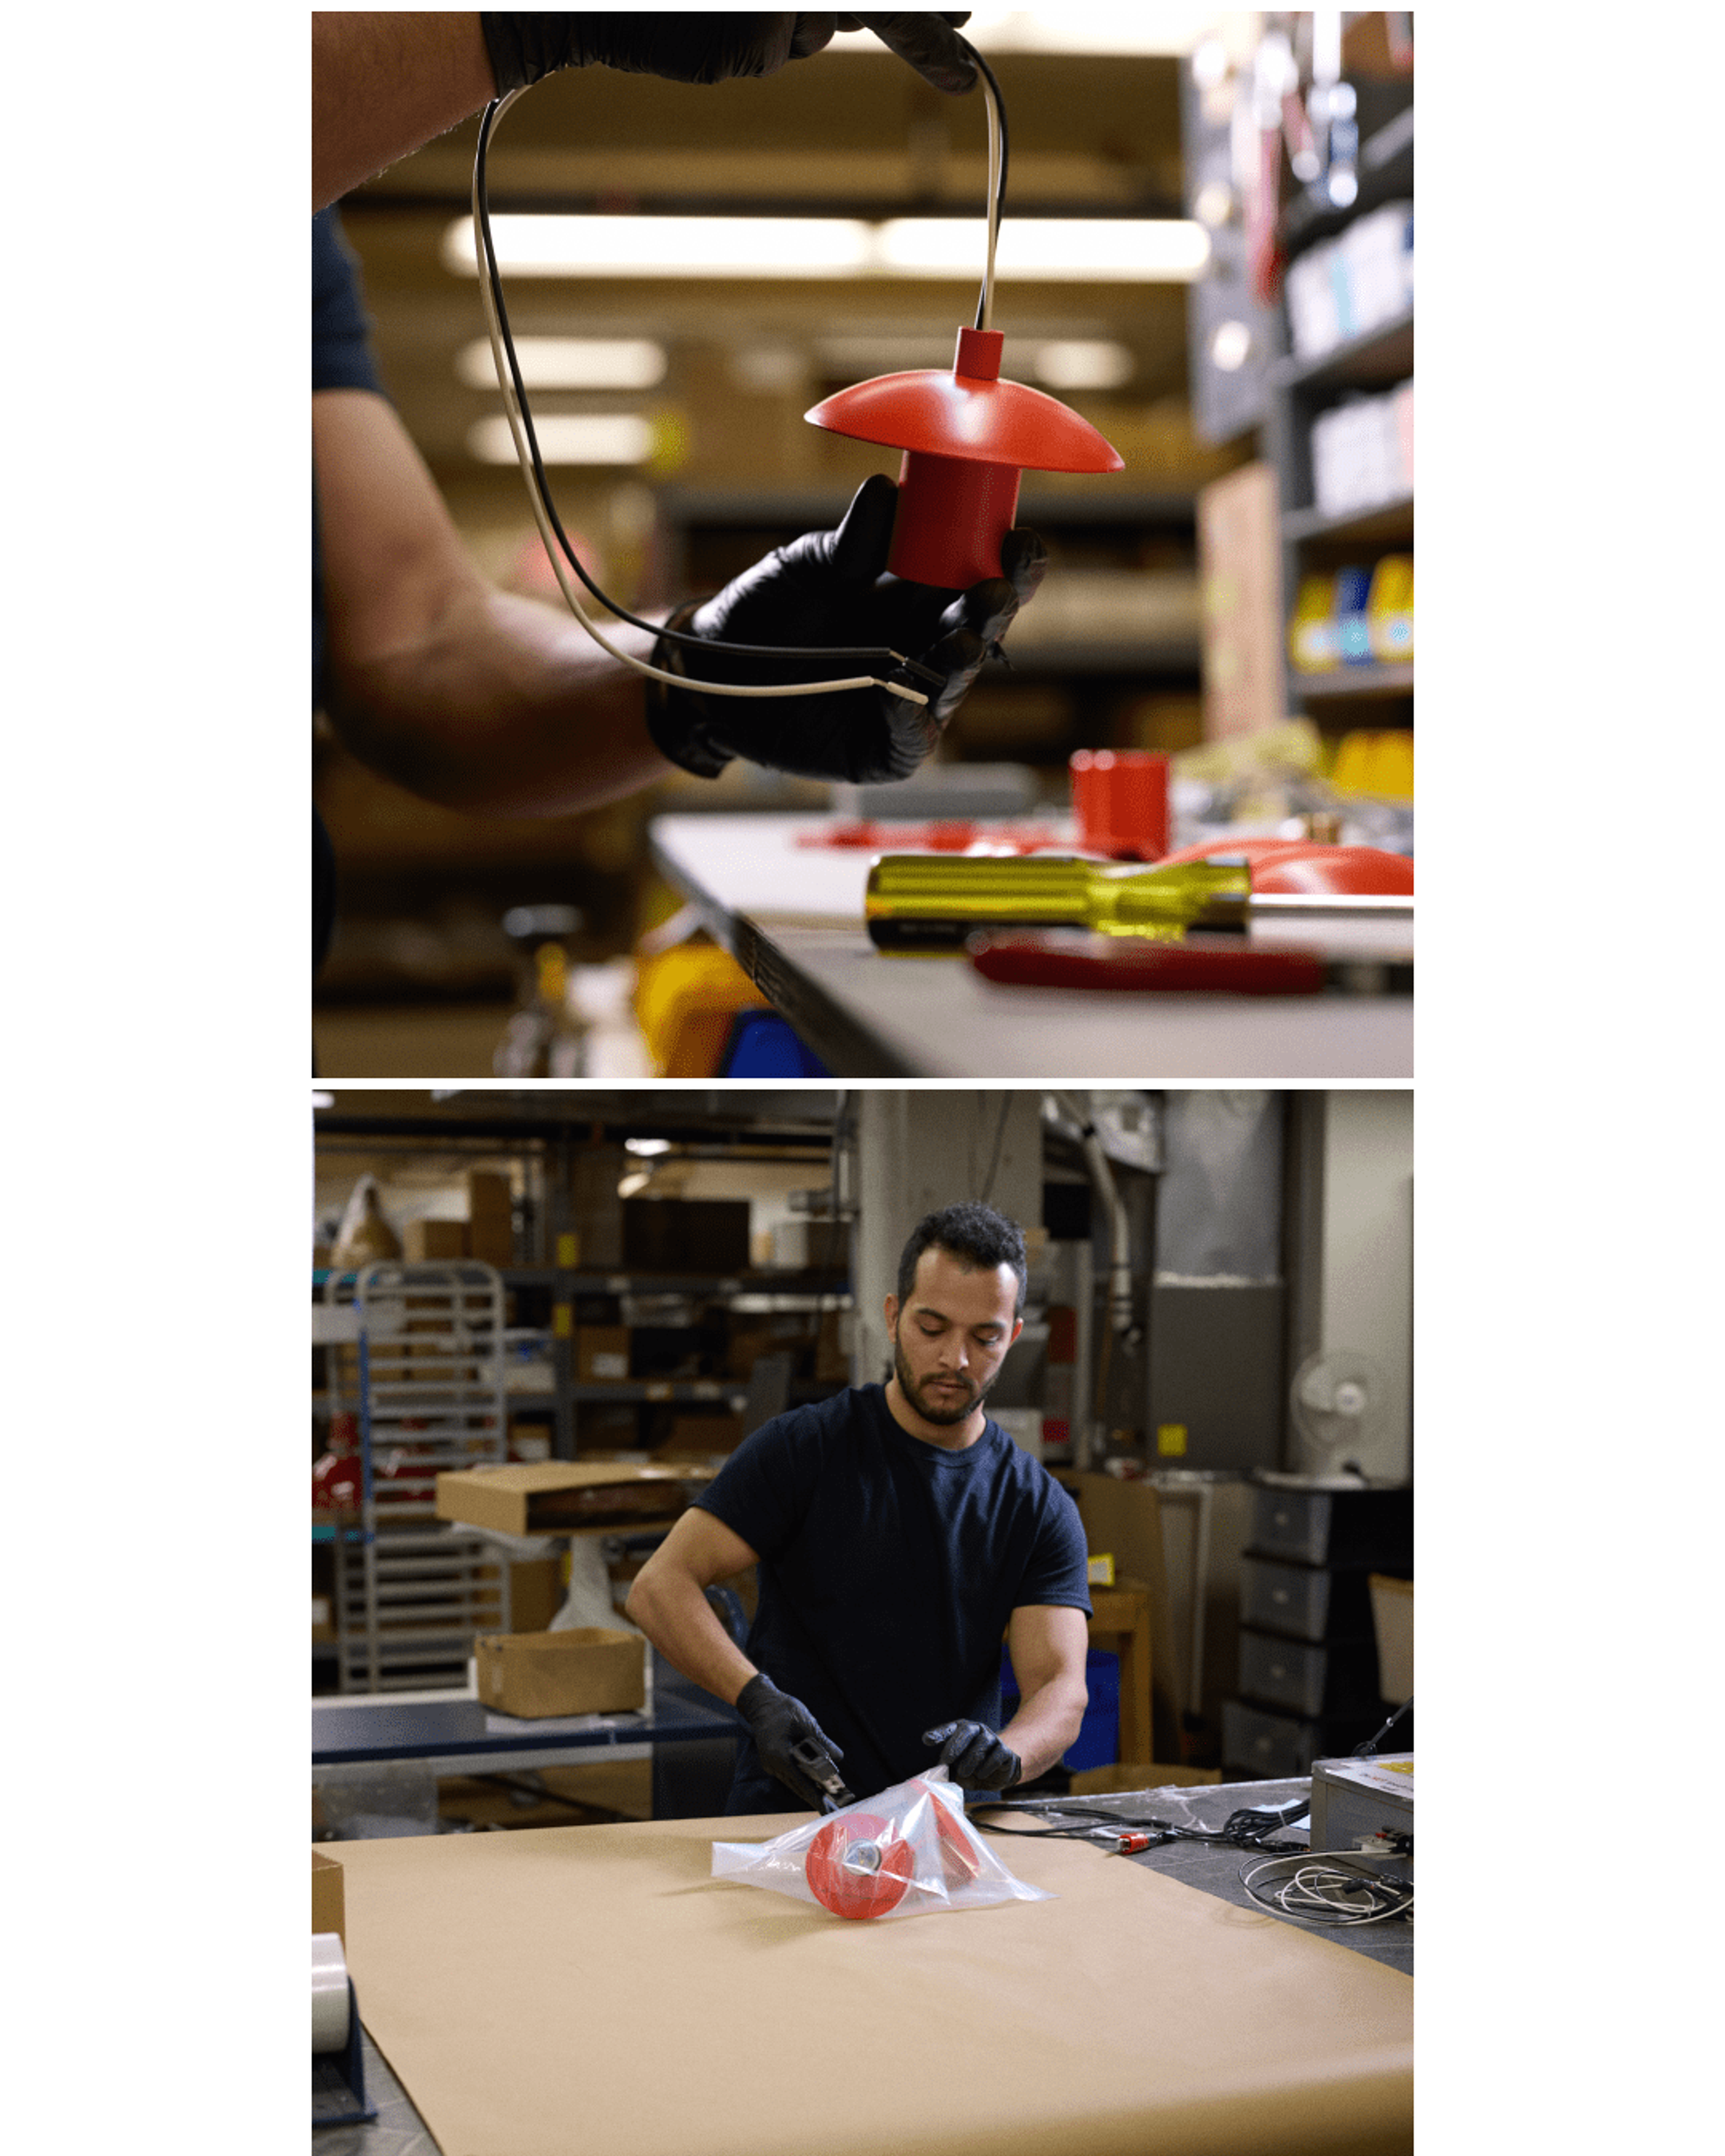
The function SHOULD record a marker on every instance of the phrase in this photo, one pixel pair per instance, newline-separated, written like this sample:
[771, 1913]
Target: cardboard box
[804, 1244]
[489, 1195]
[601, 1354]
[425, 1242]
[595, 1210]
[588, 1669]
[700, 1436]
[490, 1239]
[1393, 1620]
[329, 1911]
[560, 1497]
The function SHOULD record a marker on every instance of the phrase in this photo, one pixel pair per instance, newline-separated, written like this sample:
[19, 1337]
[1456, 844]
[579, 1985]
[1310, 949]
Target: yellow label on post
[569, 1250]
[562, 1321]
[1171, 1440]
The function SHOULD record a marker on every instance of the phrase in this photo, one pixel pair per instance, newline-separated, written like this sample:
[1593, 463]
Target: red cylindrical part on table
[953, 514]
[1120, 802]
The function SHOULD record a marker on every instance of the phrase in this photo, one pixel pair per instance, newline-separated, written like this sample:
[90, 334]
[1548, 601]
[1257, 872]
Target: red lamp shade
[966, 436]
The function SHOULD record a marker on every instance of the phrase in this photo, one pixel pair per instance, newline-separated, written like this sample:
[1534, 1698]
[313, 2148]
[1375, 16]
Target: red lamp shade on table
[966, 436]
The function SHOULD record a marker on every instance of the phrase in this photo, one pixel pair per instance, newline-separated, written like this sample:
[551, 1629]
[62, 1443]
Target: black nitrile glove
[974, 1756]
[830, 589]
[777, 1722]
[690, 48]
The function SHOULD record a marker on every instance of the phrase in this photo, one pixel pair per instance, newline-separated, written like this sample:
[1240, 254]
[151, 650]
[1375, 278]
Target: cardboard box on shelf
[425, 1242]
[753, 1334]
[489, 1195]
[805, 1245]
[490, 1239]
[601, 1354]
[701, 1436]
[595, 1210]
[562, 1496]
[589, 1669]
[329, 1911]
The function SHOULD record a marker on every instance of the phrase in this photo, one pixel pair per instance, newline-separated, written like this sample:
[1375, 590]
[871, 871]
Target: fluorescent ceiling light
[1109, 250]
[1089, 250]
[554, 362]
[567, 438]
[646, 1145]
[1084, 363]
[1059, 362]
[558, 246]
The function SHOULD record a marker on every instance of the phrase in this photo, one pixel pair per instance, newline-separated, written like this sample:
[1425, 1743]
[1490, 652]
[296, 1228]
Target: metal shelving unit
[1298, 390]
[1264, 387]
[430, 1367]
[425, 1376]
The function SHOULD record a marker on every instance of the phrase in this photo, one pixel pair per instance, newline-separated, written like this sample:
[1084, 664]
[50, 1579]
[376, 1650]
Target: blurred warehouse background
[1241, 330]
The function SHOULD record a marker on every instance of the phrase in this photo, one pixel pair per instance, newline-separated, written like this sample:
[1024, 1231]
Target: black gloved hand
[777, 1722]
[974, 1756]
[690, 48]
[830, 588]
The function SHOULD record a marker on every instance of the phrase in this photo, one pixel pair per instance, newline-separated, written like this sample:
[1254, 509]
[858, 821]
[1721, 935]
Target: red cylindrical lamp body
[952, 515]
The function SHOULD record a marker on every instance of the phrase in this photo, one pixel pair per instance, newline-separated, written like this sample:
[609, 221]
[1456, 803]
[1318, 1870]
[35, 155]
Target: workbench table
[791, 914]
[454, 1735]
[593, 1986]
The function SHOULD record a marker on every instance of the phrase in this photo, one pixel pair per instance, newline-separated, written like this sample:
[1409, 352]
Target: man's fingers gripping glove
[829, 590]
[708, 48]
[974, 1756]
[778, 1723]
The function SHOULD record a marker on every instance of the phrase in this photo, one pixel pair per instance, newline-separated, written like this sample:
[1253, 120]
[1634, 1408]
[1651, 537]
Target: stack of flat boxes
[1308, 1652]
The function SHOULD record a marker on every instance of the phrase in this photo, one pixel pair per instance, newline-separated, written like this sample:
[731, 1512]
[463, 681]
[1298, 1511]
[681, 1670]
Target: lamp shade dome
[966, 435]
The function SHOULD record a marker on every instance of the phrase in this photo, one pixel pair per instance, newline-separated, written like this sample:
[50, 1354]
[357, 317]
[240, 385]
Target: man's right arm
[668, 1600]
[382, 84]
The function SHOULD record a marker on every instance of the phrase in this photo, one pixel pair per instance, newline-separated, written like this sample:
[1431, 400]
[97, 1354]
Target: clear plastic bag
[905, 1851]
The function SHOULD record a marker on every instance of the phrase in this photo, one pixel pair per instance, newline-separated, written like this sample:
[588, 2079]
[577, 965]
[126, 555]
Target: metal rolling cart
[424, 1372]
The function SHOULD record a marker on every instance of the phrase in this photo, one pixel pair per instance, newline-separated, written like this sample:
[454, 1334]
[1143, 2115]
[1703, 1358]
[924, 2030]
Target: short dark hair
[977, 1233]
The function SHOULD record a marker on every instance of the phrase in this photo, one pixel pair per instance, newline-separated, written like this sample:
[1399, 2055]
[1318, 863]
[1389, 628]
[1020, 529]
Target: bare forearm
[507, 709]
[1045, 1726]
[676, 1616]
[382, 84]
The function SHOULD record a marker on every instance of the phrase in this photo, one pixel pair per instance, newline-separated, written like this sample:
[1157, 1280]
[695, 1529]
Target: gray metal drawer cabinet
[1304, 1601]
[1367, 1530]
[1312, 1678]
[1260, 1744]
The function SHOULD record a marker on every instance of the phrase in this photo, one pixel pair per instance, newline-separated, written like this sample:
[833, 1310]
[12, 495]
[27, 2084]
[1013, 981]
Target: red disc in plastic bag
[958, 1858]
[857, 1866]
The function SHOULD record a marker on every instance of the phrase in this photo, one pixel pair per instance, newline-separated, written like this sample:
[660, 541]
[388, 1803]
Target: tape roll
[858, 1867]
[329, 1993]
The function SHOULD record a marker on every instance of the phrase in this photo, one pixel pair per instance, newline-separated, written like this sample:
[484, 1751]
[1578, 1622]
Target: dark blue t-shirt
[340, 359]
[888, 1570]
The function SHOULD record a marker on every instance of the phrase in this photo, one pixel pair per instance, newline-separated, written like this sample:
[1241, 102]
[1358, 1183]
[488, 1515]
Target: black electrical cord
[878, 656]
[1241, 1829]
[999, 203]
[1367, 1750]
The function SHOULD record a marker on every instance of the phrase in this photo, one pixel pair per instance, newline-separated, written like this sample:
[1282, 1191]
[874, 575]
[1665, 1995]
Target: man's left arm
[1047, 1644]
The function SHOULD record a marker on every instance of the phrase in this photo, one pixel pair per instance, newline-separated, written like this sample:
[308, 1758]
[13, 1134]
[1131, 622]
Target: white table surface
[791, 915]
